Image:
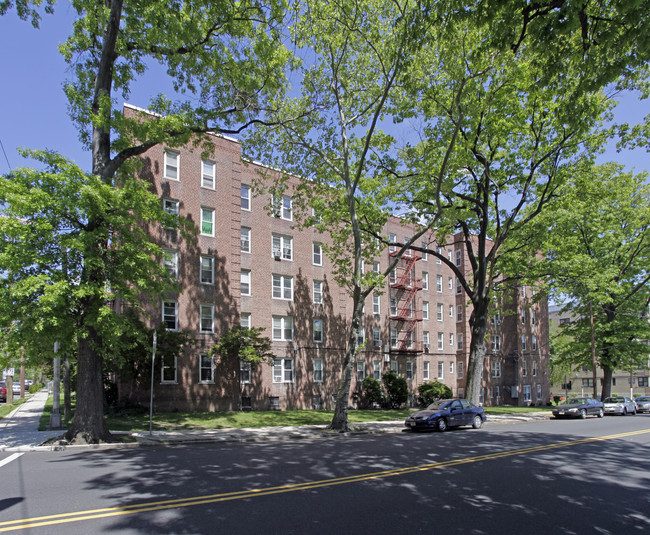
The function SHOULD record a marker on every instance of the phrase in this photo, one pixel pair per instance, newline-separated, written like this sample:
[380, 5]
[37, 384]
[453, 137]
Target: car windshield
[614, 400]
[575, 401]
[438, 405]
[644, 398]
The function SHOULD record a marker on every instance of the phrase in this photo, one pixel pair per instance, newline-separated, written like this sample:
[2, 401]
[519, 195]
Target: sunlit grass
[515, 410]
[6, 409]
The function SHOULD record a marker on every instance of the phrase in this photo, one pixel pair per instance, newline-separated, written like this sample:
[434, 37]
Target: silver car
[619, 405]
[643, 404]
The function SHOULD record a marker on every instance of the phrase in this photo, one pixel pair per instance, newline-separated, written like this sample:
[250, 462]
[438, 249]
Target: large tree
[224, 59]
[349, 176]
[596, 240]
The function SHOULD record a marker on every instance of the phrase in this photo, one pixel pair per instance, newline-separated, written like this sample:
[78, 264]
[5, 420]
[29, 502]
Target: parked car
[446, 413]
[15, 388]
[579, 408]
[643, 403]
[3, 392]
[619, 405]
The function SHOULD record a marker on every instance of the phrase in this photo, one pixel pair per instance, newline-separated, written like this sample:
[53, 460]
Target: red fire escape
[405, 309]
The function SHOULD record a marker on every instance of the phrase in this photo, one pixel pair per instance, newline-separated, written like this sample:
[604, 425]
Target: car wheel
[601, 413]
[442, 425]
[477, 423]
[583, 414]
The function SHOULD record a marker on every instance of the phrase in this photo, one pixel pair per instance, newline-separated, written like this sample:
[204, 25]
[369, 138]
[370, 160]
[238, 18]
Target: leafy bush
[372, 392]
[397, 391]
[429, 392]
[34, 387]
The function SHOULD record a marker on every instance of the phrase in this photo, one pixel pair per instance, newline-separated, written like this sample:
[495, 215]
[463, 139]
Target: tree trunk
[476, 353]
[607, 382]
[89, 425]
[67, 401]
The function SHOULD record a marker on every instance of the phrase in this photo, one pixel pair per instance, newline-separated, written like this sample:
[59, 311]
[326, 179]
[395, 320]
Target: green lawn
[138, 419]
[6, 409]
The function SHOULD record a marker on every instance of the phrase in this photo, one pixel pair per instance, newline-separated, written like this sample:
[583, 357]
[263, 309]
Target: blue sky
[34, 108]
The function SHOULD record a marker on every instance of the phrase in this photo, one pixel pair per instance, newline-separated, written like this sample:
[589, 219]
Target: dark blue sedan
[446, 413]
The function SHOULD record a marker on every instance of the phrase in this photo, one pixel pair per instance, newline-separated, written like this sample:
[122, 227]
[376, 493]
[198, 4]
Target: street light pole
[153, 361]
[55, 417]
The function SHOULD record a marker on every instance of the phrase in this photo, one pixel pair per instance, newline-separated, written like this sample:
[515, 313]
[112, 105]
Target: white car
[619, 405]
[643, 404]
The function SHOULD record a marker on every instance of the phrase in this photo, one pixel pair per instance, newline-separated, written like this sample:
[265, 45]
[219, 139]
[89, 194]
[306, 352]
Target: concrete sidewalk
[19, 431]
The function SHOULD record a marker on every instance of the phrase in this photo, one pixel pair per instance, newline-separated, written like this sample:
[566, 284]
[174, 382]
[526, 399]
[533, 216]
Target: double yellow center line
[28, 523]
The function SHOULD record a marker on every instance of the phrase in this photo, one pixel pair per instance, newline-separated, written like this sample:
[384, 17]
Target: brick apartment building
[252, 267]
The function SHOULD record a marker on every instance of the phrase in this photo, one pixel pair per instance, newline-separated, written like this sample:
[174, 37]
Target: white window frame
[394, 337]
[318, 332]
[523, 342]
[282, 287]
[210, 176]
[317, 254]
[425, 310]
[206, 312]
[425, 370]
[451, 340]
[207, 211]
[361, 370]
[426, 339]
[203, 367]
[170, 261]
[440, 312]
[245, 196]
[410, 370]
[245, 372]
[460, 369]
[164, 367]
[495, 340]
[282, 207]
[376, 369]
[533, 343]
[166, 315]
[282, 247]
[171, 206]
[441, 341]
[206, 267]
[425, 255]
[283, 370]
[317, 294]
[169, 165]
[392, 239]
[496, 368]
[319, 371]
[459, 287]
[245, 281]
[282, 325]
[245, 239]
[458, 257]
[459, 341]
[376, 337]
[245, 320]
[459, 313]
[425, 280]
[441, 370]
[376, 304]
[527, 393]
[439, 284]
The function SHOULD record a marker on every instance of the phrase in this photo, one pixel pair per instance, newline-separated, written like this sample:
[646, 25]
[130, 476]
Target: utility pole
[55, 417]
[593, 350]
[153, 362]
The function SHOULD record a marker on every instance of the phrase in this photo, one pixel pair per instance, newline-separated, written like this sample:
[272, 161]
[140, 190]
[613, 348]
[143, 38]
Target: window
[441, 370]
[524, 368]
[425, 255]
[393, 337]
[245, 197]
[523, 290]
[392, 239]
[376, 337]
[282, 287]
[425, 310]
[376, 369]
[451, 339]
[283, 370]
[460, 369]
[533, 317]
[459, 287]
[459, 341]
[450, 254]
[496, 369]
[207, 221]
[643, 381]
[361, 370]
[361, 335]
[206, 371]
[207, 318]
[523, 317]
[496, 342]
[588, 382]
[441, 341]
[451, 367]
[527, 394]
[171, 164]
[451, 311]
[534, 368]
[171, 206]
[539, 392]
[439, 283]
[409, 370]
[318, 254]
[393, 306]
[170, 261]
[439, 311]
[426, 341]
[207, 270]
[245, 320]
[168, 369]
[283, 328]
[245, 282]
[440, 252]
[459, 312]
[376, 304]
[245, 240]
[318, 292]
[318, 331]
[207, 174]
[318, 370]
[425, 280]
[425, 370]
[534, 343]
[282, 247]
[245, 371]
[392, 277]
[450, 283]
[394, 366]
[282, 207]
[458, 258]
[375, 267]
[495, 392]
[523, 341]
[170, 315]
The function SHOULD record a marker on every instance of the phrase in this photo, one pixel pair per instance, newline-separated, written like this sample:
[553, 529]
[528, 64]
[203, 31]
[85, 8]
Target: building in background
[250, 265]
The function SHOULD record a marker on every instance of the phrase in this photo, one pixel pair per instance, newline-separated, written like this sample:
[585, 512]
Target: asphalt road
[553, 477]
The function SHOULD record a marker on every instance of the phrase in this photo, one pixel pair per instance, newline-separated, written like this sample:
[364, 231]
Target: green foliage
[396, 388]
[431, 391]
[245, 344]
[371, 391]
[28, 9]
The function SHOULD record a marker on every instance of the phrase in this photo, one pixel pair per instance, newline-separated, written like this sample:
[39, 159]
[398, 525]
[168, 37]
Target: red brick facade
[241, 246]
